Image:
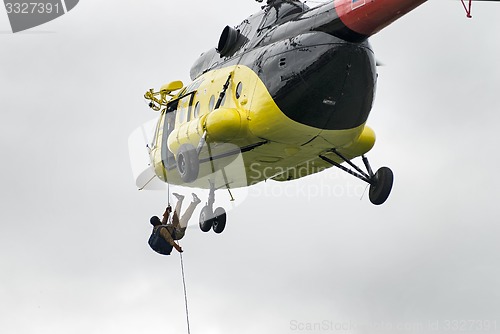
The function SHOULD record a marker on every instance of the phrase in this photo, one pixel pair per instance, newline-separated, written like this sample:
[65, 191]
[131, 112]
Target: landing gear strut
[380, 182]
[210, 219]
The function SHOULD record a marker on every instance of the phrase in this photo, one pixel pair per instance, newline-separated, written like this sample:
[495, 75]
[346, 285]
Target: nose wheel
[219, 223]
[210, 219]
[206, 219]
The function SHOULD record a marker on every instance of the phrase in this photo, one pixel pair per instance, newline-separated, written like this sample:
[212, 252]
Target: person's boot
[178, 196]
[196, 199]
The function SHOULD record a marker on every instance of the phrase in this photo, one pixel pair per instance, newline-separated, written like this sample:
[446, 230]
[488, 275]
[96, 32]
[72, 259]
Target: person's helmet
[155, 221]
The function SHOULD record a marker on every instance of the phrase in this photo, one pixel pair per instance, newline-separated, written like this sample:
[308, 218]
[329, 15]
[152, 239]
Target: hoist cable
[185, 294]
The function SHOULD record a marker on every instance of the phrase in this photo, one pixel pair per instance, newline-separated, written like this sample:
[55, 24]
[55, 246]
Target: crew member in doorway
[164, 234]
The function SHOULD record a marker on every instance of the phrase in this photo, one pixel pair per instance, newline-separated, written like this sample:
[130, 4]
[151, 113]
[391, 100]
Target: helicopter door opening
[179, 110]
[167, 156]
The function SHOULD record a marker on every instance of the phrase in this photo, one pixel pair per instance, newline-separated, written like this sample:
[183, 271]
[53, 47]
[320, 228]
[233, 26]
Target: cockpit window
[193, 86]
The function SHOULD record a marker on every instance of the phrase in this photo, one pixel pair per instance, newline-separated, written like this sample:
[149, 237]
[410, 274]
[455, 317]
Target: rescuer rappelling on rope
[164, 234]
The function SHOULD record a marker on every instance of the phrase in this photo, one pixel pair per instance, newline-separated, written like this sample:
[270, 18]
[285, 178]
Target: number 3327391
[31, 8]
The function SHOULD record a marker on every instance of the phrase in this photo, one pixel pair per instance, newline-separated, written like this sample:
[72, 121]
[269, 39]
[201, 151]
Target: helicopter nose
[367, 17]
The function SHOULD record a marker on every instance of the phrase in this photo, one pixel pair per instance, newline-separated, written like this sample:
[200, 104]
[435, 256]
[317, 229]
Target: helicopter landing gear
[206, 219]
[381, 186]
[210, 219]
[380, 182]
[188, 163]
[219, 223]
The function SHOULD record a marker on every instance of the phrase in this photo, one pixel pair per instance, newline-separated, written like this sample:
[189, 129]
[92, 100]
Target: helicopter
[287, 92]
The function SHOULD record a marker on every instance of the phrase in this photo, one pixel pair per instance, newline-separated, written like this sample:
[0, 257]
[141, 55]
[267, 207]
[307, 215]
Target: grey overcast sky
[73, 251]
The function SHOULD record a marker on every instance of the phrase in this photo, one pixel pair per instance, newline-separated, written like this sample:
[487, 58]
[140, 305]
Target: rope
[168, 193]
[185, 294]
[182, 265]
[182, 262]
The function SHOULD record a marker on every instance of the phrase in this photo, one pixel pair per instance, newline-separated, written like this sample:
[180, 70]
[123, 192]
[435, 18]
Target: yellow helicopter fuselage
[250, 124]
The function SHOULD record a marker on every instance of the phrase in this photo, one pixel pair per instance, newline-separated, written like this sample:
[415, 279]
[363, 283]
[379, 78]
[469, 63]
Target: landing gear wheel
[188, 164]
[219, 221]
[381, 188]
[206, 219]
